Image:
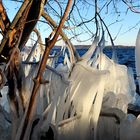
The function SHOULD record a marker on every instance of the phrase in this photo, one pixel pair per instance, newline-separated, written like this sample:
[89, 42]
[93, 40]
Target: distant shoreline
[87, 46]
[109, 46]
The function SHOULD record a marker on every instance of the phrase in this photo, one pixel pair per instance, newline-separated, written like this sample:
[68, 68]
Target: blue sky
[127, 21]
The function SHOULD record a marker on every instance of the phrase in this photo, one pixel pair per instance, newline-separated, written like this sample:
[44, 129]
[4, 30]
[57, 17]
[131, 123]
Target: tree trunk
[12, 36]
[32, 18]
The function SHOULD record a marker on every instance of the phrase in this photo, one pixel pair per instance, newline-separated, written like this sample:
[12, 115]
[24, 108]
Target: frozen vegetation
[83, 100]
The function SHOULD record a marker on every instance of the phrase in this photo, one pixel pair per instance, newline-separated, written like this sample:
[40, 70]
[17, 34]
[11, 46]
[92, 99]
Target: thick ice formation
[74, 112]
[117, 83]
[80, 101]
[5, 130]
[137, 57]
[137, 63]
[86, 100]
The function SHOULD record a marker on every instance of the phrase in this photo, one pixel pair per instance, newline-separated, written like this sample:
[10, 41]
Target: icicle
[97, 107]
[67, 61]
[63, 49]
[137, 57]
[102, 41]
[101, 47]
[89, 53]
[114, 55]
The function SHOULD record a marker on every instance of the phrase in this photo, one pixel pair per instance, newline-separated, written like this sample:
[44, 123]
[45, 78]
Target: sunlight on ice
[84, 100]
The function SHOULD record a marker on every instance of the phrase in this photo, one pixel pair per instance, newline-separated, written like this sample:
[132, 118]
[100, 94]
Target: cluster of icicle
[83, 100]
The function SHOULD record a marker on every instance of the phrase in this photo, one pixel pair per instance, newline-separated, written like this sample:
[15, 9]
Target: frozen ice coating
[5, 129]
[91, 50]
[118, 82]
[4, 99]
[131, 81]
[102, 41]
[86, 91]
[137, 57]
[67, 61]
[85, 100]
[137, 63]
[65, 108]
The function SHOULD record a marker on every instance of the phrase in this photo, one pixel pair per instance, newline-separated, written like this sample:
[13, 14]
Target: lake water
[126, 56]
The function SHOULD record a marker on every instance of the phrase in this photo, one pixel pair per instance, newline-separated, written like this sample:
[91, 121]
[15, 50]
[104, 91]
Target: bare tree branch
[38, 79]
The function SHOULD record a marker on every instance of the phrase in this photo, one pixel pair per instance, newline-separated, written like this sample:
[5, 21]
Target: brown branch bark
[13, 24]
[34, 15]
[21, 27]
[9, 45]
[71, 48]
[4, 20]
[37, 80]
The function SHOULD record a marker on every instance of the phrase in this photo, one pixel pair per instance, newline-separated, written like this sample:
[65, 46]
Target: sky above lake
[122, 26]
